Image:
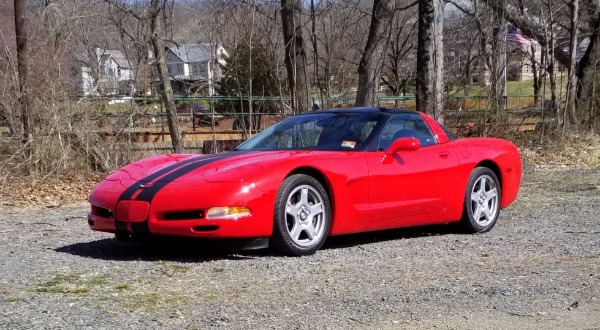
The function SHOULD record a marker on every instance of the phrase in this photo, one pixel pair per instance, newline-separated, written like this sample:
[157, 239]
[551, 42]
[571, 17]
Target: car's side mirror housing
[401, 144]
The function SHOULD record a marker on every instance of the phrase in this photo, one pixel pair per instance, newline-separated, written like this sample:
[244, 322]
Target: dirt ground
[539, 268]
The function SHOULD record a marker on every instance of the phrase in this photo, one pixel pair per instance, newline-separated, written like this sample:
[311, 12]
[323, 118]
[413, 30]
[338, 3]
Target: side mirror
[401, 144]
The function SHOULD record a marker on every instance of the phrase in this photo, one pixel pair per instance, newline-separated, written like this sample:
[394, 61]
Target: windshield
[318, 131]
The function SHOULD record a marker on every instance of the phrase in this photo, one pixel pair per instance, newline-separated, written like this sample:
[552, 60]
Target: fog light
[227, 212]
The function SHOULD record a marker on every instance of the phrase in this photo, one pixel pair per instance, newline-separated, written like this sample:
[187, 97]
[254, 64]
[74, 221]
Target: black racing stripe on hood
[148, 193]
[129, 192]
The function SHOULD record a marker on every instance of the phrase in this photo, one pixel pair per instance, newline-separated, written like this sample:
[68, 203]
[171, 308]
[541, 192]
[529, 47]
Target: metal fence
[231, 118]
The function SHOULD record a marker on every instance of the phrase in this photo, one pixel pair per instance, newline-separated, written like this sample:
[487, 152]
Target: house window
[119, 72]
[179, 68]
[200, 69]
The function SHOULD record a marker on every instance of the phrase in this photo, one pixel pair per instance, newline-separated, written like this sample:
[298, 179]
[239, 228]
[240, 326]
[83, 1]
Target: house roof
[194, 52]
[581, 49]
[105, 55]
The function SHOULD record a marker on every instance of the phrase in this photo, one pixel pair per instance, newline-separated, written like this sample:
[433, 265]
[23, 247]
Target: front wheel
[302, 216]
[482, 201]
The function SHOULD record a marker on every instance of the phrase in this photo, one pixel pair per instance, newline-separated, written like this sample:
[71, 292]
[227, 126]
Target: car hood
[224, 167]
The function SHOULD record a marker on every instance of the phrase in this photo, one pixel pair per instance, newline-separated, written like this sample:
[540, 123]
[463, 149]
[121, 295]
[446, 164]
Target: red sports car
[313, 175]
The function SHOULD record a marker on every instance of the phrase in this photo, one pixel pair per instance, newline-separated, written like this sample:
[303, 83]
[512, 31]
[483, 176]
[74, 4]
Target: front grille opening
[184, 215]
[102, 212]
[206, 228]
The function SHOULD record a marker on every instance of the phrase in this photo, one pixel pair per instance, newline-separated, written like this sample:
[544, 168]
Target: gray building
[195, 68]
[104, 72]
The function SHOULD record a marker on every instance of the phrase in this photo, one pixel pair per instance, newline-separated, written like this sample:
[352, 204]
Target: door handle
[445, 154]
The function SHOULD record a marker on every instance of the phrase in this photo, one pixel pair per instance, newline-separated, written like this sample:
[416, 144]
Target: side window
[406, 125]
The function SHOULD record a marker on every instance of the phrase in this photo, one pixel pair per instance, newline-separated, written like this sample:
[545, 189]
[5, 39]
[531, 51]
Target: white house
[104, 72]
[195, 67]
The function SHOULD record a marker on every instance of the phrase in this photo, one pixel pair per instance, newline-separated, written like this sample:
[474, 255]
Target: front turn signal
[227, 212]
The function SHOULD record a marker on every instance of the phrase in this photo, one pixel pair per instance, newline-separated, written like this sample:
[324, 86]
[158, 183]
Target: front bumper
[180, 210]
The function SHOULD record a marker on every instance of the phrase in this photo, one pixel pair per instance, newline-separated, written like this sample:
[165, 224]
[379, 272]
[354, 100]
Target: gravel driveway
[539, 268]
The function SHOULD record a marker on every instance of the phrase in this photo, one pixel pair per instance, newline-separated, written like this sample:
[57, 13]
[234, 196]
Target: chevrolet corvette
[315, 175]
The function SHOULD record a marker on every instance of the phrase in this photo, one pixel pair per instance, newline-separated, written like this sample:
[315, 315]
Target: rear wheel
[482, 201]
[302, 216]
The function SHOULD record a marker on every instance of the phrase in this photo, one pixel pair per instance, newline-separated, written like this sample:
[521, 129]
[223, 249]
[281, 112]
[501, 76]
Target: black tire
[482, 201]
[305, 229]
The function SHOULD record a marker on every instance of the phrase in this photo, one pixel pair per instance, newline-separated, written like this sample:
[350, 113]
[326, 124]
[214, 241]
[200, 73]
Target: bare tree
[157, 10]
[573, 42]
[340, 42]
[25, 102]
[399, 68]
[295, 54]
[497, 64]
[537, 29]
[369, 68]
[429, 85]
[155, 18]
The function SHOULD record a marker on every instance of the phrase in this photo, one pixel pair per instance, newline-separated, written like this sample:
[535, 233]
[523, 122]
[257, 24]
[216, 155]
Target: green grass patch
[74, 283]
[122, 287]
[150, 301]
[99, 280]
[519, 88]
[61, 279]
[172, 269]
[63, 289]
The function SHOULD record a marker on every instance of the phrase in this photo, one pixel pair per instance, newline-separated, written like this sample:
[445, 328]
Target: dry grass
[25, 192]
[573, 151]
[18, 192]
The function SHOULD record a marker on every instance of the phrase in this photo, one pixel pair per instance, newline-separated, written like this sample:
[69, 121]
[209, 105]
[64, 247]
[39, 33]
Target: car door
[416, 186]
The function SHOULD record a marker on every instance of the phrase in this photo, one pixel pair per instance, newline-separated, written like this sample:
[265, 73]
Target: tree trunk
[536, 76]
[23, 74]
[498, 66]
[369, 69]
[163, 74]
[572, 85]
[587, 69]
[552, 76]
[430, 87]
[295, 55]
[313, 28]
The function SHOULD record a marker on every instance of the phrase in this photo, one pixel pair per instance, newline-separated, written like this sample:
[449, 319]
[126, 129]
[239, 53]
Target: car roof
[363, 110]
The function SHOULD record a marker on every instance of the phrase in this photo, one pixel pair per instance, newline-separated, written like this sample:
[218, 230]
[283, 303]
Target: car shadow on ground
[194, 250]
[364, 239]
[171, 249]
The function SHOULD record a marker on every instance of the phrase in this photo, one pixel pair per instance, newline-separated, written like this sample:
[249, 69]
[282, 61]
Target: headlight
[227, 212]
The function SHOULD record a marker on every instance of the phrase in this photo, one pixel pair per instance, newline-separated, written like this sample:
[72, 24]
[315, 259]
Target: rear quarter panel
[473, 152]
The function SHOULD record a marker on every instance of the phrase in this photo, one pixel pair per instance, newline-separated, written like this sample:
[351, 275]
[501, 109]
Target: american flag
[514, 35]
